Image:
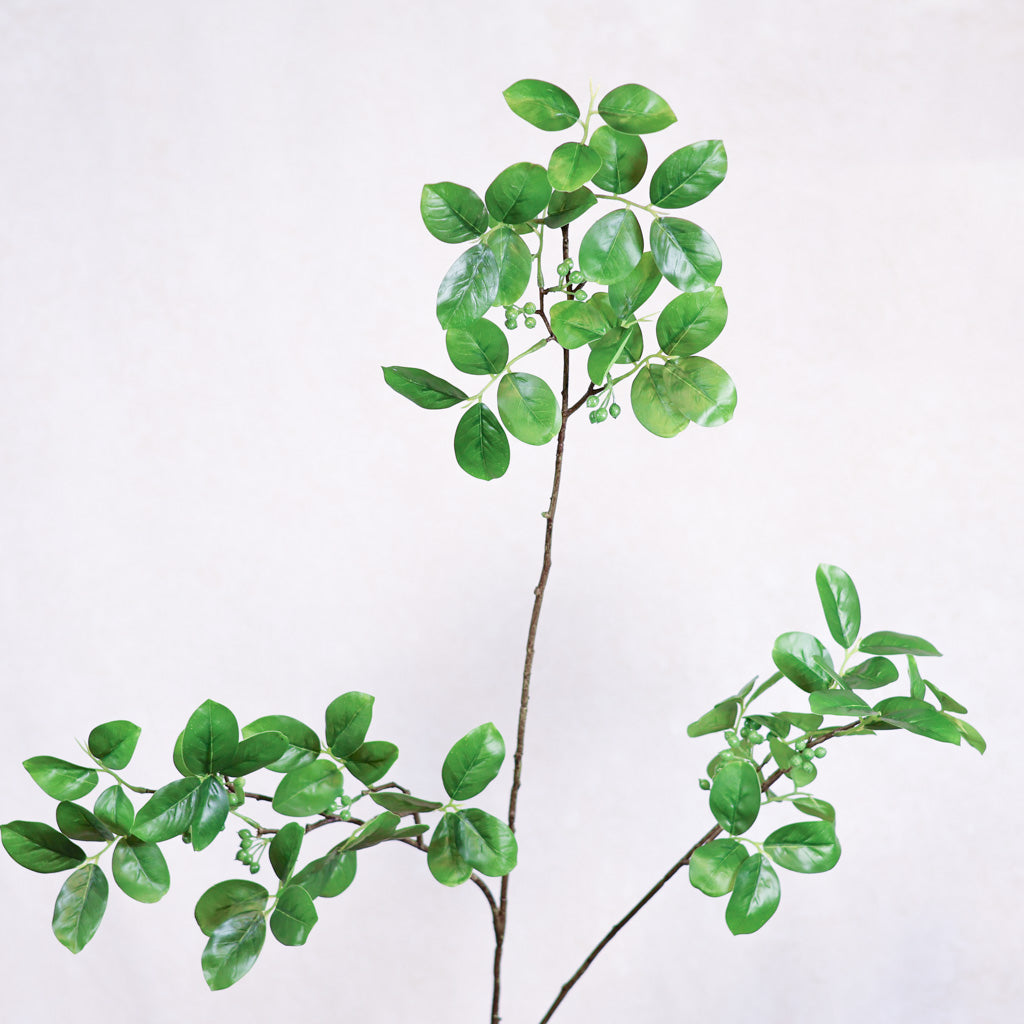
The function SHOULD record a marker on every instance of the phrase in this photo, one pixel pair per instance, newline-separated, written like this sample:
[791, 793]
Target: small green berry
[613, 410]
[245, 834]
[563, 268]
[530, 308]
[577, 277]
[592, 402]
[800, 744]
[820, 752]
[254, 869]
[601, 414]
[730, 736]
[530, 321]
[580, 296]
[705, 783]
[593, 416]
[511, 324]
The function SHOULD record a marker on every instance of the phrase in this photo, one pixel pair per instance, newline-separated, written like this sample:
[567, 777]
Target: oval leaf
[39, 847]
[255, 752]
[653, 404]
[452, 213]
[514, 264]
[113, 743]
[919, 717]
[168, 812]
[348, 719]
[635, 110]
[576, 324]
[838, 701]
[210, 814]
[284, 849]
[887, 642]
[444, 855]
[713, 867]
[473, 762]
[303, 742]
[544, 105]
[612, 247]
[423, 388]
[308, 789]
[293, 917]
[628, 295]
[517, 194]
[115, 810]
[140, 870]
[528, 408]
[692, 321]
[623, 160]
[701, 390]
[685, 253]
[469, 288]
[480, 348]
[210, 739]
[809, 847]
[370, 762]
[565, 207]
[721, 716]
[80, 905]
[78, 823]
[871, 674]
[225, 900]
[840, 603]
[486, 843]
[755, 896]
[735, 796]
[481, 445]
[815, 808]
[796, 656]
[59, 778]
[572, 165]
[232, 949]
[403, 803]
[689, 175]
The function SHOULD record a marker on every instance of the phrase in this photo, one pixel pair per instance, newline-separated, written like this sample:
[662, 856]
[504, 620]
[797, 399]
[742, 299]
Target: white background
[211, 242]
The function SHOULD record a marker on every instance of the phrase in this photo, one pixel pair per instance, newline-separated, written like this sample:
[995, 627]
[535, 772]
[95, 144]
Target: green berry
[592, 402]
[820, 752]
[530, 321]
[245, 834]
[530, 308]
[254, 869]
[601, 414]
[580, 296]
[705, 783]
[730, 736]
[593, 416]
[614, 410]
[577, 277]
[800, 744]
[511, 324]
[563, 268]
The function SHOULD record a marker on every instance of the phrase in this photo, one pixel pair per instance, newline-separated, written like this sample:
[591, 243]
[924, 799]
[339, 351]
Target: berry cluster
[246, 854]
[601, 409]
[512, 314]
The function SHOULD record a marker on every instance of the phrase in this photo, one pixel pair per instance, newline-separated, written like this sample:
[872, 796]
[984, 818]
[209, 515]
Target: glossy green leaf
[473, 762]
[692, 321]
[514, 265]
[815, 808]
[452, 213]
[39, 847]
[444, 855]
[260, 750]
[168, 812]
[294, 916]
[871, 674]
[735, 796]
[689, 175]
[701, 390]
[377, 830]
[486, 843]
[809, 847]
[80, 905]
[887, 642]
[838, 701]
[627, 295]
[623, 160]
[370, 762]
[917, 687]
[518, 193]
[721, 716]
[755, 896]
[308, 789]
[113, 743]
[784, 754]
[59, 778]
[653, 402]
[232, 949]
[620, 344]
[140, 870]
[284, 849]
[565, 207]
[469, 288]
[685, 253]
[481, 444]
[404, 803]
[348, 719]
[226, 900]
[969, 733]
[210, 740]
[528, 408]
[572, 165]
[339, 873]
[713, 866]
[479, 348]
[635, 110]
[772, 723]
[411, 830]
[796, 657]
[918, 717]
[303, 742]
[211, 812]
[803, 773]
[946, 702]
[179, 762]
[115, 810]
[425, 389]
[78, 823]
[840, 603]
[576, 324]
[544, 105]
[612, 247]
[801, 719]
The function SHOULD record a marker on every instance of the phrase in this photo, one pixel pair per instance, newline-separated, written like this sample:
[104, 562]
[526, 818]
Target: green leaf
[784, 754]
[210, 740]
[372, 761]
[469, 288]
[79, 908]
[514, 264]
[473, 762]
[452, 213]
[918, 717]
[284, 849]
[544, 105]
[714, 865]
[226, 900]
[635, 110]
[486, 843]
[623, 160]
[809, 847]
[839, 701]
[917, 687]
[840, 603]
[803, 774]
[260, 750]
[78, 823]
[168, 812]
[59, 778]
[518, 193]
[232, 949]
[721, 716]
[293, 917]
[211, 812]
[871, 674]
[653, 402]
[481, 445]
[572, 165]
[685, 253]
[565, 207]
[631, 292]
[796, 657]
[692, 321]
[689, 175]
[735, 796]
[303, 742]
[377, 830]
[800, 719]
[701, 390]
[403, 803]
[969, 733]
[576, 324]
[348, 719]
[887, 642]
[39, 847]
[772, 723]
[308, 789]
[946, 702]
[816, 808]
[444, 855]
[327, 876]
[619, 345]
[423, 388]
[113, 743]
[480, 348]
[140, 870]
[179, 762]
[528, 408]
[612, 247]
[115, 810]
[755, 896]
